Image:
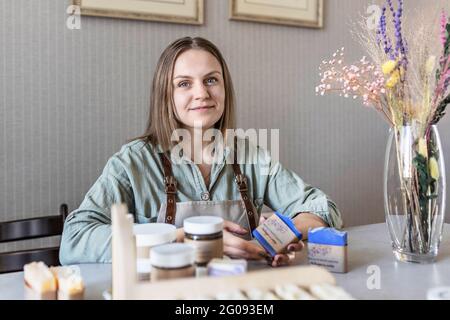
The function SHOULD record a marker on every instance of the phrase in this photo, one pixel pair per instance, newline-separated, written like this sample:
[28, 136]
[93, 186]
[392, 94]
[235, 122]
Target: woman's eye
[211, 81]
[183, 84]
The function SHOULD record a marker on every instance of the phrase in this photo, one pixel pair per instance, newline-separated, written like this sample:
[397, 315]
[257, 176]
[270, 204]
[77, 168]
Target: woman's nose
[201, 92]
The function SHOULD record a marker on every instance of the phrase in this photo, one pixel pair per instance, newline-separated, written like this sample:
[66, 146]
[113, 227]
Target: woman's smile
[202, 108]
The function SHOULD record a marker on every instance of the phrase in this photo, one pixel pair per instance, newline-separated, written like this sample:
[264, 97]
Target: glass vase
[414, 192]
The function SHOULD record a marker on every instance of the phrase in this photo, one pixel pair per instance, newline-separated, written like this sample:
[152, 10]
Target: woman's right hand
[238, 248]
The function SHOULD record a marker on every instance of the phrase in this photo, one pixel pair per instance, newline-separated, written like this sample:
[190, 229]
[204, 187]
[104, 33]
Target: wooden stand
[126, 284]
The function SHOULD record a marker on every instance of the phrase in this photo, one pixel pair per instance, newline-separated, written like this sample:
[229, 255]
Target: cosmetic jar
[170, 261]
[147, 236]
[205, 235]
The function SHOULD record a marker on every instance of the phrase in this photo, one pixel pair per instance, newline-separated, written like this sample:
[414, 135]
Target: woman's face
[199, 91]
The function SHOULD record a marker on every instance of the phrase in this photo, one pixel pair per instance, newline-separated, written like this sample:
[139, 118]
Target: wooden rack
[126, 284]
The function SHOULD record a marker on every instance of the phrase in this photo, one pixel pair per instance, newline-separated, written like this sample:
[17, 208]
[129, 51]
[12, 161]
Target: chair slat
[14, 261]
[31, 229]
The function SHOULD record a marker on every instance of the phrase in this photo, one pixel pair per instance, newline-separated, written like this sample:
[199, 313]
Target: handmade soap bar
[276, 233]
[327, 247]
[226, 267]
[70, 283]
[40, 283]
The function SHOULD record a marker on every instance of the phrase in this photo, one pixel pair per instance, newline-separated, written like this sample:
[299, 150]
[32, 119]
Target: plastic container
[170, 261]
[205, 235]
[147, 236]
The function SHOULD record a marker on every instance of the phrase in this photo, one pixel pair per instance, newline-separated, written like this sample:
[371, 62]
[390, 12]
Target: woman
[192, 92]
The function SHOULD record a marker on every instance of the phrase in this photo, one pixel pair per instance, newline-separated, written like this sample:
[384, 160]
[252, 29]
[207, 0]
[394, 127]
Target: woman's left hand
[283, 258]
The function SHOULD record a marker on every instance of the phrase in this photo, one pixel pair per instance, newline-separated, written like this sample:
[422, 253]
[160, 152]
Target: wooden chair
[31, 229]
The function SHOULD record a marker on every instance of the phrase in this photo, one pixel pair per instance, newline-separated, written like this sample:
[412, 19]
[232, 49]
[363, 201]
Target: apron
[240, 211]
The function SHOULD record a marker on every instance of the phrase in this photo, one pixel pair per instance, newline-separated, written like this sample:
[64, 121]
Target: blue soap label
[329, 236]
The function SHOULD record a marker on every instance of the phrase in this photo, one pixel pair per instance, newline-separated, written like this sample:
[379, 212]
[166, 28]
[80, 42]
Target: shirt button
[205, 196]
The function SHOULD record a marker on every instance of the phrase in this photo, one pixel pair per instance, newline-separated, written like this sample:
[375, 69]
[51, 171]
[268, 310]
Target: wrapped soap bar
[40, 283]
[226, 267]
[70, 283]
[326, 291]
[327, 247]
[276, 233]
[292, 292]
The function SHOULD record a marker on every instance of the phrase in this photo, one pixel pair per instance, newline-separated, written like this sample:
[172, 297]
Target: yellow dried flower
[434, 168]
[422, 147]
[389, 66]
[429, 66]
[393, 80]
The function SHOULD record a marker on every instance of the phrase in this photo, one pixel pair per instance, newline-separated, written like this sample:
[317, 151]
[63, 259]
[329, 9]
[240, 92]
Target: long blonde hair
[162, 120]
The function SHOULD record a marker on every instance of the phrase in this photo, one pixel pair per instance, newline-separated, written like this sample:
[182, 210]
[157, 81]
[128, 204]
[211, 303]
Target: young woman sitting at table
[192, 91]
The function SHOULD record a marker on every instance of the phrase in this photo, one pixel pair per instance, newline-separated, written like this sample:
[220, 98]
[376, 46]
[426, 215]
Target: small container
[173, 260]
[226, 267]
[276, 233]
[327, 247]
[147, 236]
[205, 234]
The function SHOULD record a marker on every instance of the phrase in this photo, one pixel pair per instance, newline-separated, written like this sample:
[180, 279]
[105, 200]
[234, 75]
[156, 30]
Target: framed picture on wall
[304, 13]
[176, 11]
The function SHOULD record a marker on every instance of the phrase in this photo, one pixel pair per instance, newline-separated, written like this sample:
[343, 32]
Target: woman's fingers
[238, 253]
[255, 251]
[234, 227]
[298, 246]
[235, 253]
[280, 260]
[262, 219]
[252, 250]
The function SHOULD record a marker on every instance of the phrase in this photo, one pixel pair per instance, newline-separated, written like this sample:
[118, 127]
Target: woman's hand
[238, 248]
[235, 247]
[283, 258]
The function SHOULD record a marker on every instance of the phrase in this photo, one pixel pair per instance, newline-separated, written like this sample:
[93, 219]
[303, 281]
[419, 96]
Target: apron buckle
[170, 184]
[241, 181]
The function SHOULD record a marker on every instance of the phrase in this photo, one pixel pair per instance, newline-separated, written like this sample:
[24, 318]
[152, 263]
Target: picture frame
[300, 13]
[172, 11]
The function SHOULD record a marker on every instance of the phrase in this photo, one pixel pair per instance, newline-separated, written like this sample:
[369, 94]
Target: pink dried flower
[362, 79]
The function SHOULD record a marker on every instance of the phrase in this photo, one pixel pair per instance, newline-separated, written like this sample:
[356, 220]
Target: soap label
[277, 234]
[333, 258]
[206, 250]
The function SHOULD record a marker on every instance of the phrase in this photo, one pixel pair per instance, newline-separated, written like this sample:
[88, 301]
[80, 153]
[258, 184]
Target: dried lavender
[382, 35]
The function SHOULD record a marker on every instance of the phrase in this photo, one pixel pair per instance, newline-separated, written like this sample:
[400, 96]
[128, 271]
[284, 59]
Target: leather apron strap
[170, 187]
[241, 182]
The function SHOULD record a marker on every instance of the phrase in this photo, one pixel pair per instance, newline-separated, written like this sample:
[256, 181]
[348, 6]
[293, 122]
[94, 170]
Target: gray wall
[71, 98]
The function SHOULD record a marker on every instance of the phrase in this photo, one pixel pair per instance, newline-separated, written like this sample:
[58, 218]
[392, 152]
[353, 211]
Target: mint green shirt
[135, 176]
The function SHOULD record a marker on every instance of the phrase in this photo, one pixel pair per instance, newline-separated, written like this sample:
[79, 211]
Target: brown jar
[205, 235]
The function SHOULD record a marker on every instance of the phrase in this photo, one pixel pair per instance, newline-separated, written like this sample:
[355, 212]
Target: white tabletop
[369, 250]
